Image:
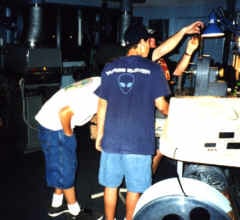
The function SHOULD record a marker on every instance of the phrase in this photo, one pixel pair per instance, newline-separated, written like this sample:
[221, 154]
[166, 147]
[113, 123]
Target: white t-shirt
[79, 96]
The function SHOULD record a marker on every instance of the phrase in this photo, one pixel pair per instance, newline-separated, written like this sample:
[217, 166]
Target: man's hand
[98, 148]
[98, 144]
[194, 28]
[192, 45]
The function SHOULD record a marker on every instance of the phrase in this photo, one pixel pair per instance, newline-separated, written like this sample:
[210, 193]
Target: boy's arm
[162, 105]
[169, 44]
[101, 114]
[65, 115]
[192, 45]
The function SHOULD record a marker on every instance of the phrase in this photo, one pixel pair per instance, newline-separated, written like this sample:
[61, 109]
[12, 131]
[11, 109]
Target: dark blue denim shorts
[60, 157]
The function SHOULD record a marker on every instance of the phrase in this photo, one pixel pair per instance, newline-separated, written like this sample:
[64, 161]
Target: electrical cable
[178, 178]
[181, 186]
[21, 85]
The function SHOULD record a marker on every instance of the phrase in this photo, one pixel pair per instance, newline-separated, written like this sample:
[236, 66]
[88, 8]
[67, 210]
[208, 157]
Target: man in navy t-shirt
[131, 87]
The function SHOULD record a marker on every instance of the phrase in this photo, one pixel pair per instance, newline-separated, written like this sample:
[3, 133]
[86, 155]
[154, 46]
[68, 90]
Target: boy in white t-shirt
[73, 105]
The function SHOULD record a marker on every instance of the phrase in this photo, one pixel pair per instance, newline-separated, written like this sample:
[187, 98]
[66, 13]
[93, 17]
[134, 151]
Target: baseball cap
[135, 33]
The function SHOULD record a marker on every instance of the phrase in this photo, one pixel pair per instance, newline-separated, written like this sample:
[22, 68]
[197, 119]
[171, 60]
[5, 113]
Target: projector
[203, 129]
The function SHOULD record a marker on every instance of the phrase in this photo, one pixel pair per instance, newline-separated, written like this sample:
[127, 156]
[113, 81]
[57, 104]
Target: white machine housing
[203, 129]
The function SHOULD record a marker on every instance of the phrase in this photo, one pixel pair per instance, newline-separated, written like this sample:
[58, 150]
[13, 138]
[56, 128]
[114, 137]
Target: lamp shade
[212, 29]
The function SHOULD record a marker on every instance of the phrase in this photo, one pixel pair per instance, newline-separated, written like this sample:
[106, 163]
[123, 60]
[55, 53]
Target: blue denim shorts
[136, 169]
[60, 157]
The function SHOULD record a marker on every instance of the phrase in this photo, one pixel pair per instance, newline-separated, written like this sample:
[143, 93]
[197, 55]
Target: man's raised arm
[169, 44]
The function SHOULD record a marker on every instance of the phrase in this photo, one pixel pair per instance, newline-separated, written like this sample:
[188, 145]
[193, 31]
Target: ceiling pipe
[58, 28]
[34, 25]
[126, 15]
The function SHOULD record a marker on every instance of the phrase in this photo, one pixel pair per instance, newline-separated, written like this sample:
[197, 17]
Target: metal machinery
[39, 72]
[166, 200]
[206, 82]
[201, 133]
[202, 79]
[36, 70]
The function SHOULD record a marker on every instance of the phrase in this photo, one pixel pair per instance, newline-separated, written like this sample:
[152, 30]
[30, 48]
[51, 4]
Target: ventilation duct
[34, 26]
[126, 11]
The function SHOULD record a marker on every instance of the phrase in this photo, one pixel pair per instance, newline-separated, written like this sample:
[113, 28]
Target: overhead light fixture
[212, 29]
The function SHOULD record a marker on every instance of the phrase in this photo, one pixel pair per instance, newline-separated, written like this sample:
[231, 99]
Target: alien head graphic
[126, 82]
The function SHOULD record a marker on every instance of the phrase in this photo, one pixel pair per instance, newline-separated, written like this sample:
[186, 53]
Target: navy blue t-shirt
[130, 85]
